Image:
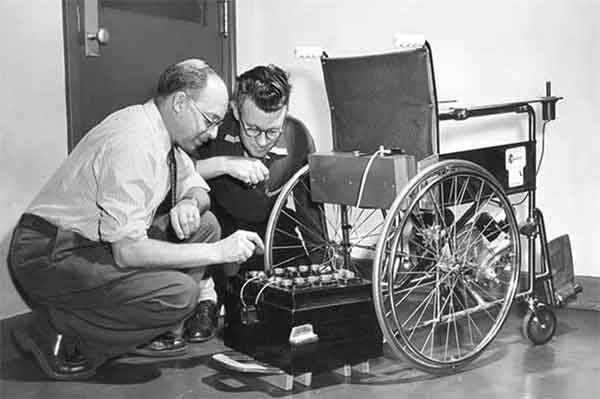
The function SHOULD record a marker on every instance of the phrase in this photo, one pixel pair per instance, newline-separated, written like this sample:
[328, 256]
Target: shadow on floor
[509, 367]
[26, 370]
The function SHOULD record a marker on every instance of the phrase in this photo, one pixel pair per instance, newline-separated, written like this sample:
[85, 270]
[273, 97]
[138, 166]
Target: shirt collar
[278, 151]
[158, 124]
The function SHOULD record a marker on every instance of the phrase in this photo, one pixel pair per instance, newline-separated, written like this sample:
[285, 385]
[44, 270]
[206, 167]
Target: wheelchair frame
[535, 226]
[540, 322]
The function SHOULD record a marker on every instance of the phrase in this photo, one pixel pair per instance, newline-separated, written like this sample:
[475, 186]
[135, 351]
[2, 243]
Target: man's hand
[249, 170]
[240, 246]
[185, 218]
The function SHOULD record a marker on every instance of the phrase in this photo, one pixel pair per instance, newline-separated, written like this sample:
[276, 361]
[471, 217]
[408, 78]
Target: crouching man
[106, 274]
[258, 148]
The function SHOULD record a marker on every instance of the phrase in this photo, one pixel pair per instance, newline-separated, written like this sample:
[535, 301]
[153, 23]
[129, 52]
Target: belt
[37, 223]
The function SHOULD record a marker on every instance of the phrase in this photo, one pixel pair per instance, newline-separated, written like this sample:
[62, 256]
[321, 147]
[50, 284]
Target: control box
[337, 177]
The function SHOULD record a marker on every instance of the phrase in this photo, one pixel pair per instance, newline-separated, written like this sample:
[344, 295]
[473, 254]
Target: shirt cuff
[192, 181]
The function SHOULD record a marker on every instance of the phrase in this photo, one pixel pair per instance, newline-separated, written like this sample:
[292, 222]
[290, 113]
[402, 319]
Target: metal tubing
[345, 235]
[531, 203]
[519, 107]
[546, 273]
[484, 110]
[457, 315]
[493, 109]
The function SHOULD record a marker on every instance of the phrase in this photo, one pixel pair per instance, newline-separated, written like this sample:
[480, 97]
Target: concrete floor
[569, 366]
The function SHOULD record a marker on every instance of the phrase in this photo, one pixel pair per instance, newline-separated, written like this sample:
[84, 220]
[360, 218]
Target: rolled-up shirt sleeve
[187, 176]
[125, 187]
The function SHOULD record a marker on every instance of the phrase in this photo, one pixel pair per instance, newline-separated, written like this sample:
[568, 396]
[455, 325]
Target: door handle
[94, 35]
[102, 36]
[224, 17]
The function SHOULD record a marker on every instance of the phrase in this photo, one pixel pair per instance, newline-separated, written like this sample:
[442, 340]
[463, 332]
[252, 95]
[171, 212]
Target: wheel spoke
[468, 315]
[286, 233]
[281, 247]
[313, 222]
[356, 224]
[431, 293]
[305, 228]
[445, 285]
[480, 237]
[412, 331]
[483, 304]
[298, 256]
[335, 227]
[370, 233]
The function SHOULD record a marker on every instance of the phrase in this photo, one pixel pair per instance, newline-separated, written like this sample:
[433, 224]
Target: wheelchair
[437, 231]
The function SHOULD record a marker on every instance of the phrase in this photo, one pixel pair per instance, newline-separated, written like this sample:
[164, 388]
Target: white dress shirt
[110, 186]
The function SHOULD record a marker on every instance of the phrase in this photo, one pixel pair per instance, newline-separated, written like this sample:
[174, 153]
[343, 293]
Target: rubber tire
[533, 330]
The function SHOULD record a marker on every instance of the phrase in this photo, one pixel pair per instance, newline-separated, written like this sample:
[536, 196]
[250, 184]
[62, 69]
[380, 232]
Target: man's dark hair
[183, 76]
[267, 86]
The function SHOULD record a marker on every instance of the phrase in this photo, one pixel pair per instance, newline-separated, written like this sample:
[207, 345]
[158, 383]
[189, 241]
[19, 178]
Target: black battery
[340, 312]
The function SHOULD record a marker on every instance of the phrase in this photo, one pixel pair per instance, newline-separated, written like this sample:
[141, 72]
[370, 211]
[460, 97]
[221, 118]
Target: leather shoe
[166, 345]
[202, 325]
[55, 354]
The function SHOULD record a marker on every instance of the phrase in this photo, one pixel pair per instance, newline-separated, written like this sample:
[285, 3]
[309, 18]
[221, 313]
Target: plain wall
[484, 52]
[33, 123]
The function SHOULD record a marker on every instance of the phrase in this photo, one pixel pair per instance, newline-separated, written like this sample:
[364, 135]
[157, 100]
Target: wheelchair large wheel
[446, 267]
[301, 231]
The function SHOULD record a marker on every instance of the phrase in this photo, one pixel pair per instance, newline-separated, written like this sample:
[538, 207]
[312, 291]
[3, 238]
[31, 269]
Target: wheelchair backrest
[383, 100]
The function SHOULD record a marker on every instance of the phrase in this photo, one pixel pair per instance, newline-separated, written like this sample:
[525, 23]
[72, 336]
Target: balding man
[104, 272]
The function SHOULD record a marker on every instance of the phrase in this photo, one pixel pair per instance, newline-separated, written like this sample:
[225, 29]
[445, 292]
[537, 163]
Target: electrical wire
[261, 291]
[244, 287]
[520, 201]
[539, 164]
[380, 152]
[537, 169]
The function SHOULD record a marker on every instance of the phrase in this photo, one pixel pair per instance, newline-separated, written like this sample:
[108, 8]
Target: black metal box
[496, 160]
[342, 316]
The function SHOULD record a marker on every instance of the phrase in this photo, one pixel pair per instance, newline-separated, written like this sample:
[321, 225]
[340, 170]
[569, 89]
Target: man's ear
[234, 109]
[177, 101]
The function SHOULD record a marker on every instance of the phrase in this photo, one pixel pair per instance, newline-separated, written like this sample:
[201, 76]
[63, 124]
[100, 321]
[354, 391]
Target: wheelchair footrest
[563, 276]
[567, 293]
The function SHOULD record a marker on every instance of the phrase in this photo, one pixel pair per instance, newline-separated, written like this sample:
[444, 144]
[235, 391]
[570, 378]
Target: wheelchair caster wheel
[539, 325]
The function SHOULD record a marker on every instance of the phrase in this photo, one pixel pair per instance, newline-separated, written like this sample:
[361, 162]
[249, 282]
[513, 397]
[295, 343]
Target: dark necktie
[173, 176]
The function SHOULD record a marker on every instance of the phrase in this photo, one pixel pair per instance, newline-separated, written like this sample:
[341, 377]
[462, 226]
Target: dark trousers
[75, 284]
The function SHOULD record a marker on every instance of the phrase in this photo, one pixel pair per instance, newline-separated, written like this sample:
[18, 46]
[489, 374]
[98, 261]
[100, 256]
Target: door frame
[73, 45]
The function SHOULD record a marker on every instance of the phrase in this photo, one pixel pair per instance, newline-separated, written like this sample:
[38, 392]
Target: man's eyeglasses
[270, 134]
[210, 121]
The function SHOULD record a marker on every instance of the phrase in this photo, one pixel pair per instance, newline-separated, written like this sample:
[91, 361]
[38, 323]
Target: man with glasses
[258, 148]
[103, 270]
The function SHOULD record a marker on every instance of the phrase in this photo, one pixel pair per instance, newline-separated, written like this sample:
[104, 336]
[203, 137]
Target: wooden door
[144, 37]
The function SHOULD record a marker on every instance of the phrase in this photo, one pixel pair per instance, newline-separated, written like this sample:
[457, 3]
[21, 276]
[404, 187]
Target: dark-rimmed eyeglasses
[270, 134]
[210, 121]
